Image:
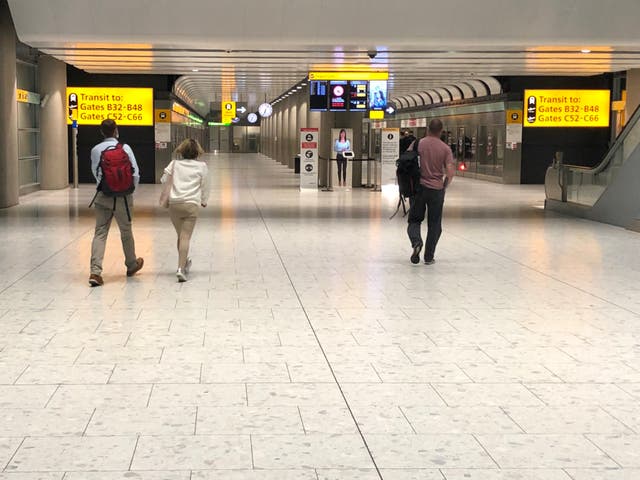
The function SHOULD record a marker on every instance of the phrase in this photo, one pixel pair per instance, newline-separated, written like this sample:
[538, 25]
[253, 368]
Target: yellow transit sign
[22, 95]
[567, 108]
[228, 111]
[514, 117]
[127, 106]
[349, 75]
[163, 115]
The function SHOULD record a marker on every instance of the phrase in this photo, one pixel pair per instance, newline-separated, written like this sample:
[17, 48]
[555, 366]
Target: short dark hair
[108, 128]
[435, 126]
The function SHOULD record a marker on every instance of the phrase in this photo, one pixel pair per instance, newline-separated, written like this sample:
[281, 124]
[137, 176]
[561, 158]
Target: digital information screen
[127, 106]
[338, 95]
[318, 96]
[567, 108]
[358, 95]
[377, 94]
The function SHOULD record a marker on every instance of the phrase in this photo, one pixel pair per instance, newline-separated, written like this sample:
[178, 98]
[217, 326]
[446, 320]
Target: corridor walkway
[306, 346]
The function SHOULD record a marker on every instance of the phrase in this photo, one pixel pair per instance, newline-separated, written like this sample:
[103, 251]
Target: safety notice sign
[309, 158]
[390, 153]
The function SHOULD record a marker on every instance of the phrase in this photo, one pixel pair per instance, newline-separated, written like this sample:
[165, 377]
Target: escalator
[608, 193]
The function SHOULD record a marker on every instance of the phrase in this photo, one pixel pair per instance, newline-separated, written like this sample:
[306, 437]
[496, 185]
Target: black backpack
[408, 177]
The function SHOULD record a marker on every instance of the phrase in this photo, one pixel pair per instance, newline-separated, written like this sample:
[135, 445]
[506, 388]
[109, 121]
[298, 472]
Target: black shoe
[415, 256]
[429, 261]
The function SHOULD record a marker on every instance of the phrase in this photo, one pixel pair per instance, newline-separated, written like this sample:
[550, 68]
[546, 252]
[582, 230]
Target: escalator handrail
[614, 148]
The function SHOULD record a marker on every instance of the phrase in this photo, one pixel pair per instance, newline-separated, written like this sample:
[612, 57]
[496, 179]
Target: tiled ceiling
[258, 58]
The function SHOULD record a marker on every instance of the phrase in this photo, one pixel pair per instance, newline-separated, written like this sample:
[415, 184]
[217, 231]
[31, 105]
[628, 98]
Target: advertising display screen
[318, 96]
[338, 95]
[127, 106]
[358, 95]
[377, 94]
[567, 108]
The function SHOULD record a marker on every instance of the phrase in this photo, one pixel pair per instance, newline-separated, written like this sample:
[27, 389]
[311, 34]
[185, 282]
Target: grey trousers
[104, 214]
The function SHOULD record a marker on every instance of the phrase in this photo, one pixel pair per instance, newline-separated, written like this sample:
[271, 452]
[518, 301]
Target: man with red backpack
[116, 171]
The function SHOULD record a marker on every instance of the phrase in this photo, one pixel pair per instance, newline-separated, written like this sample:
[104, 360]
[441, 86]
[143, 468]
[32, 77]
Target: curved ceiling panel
[457, 91]
[401, 102]
[428, 99]
[444, 94]
[410, 101]
[417, 99]
[479, 88]
[454, 91]
[466, 90]
[435, 95]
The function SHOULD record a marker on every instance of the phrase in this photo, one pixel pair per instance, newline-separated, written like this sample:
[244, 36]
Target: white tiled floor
[306, 346]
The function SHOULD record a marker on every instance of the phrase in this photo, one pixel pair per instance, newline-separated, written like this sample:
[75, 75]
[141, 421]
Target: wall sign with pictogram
[309, 158]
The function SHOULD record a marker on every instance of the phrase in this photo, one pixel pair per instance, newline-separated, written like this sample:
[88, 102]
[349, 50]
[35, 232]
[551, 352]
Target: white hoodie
[190, 181]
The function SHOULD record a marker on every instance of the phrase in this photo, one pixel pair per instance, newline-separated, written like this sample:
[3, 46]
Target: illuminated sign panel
[358, 94]
[179, 109]
[24, 96]
[567, 108]
[127, 106]
[348, 75]
[338, 91]
[228, 111]
[318, 96]
[378, 95]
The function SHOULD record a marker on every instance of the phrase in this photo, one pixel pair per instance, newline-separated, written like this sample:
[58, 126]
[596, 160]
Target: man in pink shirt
[436, 173]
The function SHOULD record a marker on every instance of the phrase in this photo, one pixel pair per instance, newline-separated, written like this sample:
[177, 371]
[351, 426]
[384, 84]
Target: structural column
[272, 134]
[302, 120]
[9, 174]
[279, 135]
[53, 124]
[285, 134]
[292, 127]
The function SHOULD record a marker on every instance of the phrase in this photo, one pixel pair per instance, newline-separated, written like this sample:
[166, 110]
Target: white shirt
[190, 181]
[97, 151]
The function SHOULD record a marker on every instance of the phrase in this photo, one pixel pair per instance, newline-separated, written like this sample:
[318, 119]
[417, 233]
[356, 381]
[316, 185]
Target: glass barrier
[584, 186]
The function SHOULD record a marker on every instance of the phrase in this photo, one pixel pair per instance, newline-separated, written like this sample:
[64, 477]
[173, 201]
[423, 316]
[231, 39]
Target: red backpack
[117, 172]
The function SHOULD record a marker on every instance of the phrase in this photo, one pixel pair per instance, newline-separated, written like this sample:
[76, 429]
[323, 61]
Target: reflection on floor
[307, 346]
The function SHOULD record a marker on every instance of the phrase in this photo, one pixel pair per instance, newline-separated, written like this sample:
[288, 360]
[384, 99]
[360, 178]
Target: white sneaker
[181, 275]
[187, 266]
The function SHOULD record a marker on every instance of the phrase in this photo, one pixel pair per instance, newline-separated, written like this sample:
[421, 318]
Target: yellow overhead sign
[567, 108]
[514, 117]
[127, 106]
[24, 96]
[376, 114]
[228, 111]
[179, 109]
[348, 75]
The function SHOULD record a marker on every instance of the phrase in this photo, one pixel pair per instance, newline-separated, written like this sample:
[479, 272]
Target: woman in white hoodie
[189, 190]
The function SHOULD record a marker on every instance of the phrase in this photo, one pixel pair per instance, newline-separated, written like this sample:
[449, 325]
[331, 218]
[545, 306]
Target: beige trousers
[183, 216]
[104, 214]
